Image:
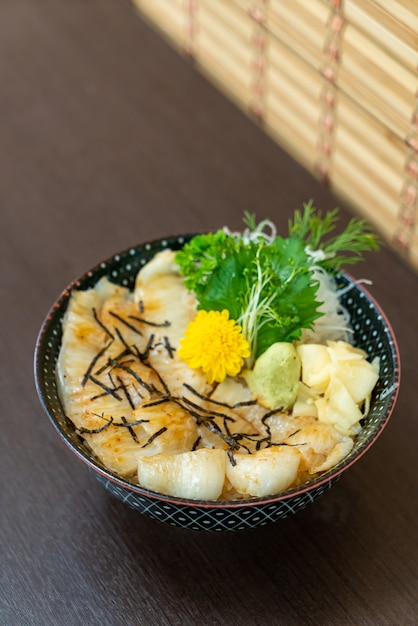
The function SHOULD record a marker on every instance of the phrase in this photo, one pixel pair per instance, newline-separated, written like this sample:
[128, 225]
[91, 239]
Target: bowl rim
[94, 465]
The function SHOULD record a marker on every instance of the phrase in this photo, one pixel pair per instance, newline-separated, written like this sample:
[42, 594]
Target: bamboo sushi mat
[334, 82]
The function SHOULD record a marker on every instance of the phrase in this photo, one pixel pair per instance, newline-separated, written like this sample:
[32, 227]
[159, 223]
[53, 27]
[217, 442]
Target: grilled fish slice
[108, 385]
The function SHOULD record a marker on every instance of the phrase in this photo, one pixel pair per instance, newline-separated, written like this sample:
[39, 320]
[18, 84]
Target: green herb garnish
[265, 281]
[345, 248]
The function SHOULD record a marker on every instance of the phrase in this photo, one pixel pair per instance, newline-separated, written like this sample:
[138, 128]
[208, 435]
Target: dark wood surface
[108, 139]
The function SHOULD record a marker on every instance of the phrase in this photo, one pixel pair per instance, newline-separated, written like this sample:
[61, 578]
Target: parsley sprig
[267, 282]
[345, 248]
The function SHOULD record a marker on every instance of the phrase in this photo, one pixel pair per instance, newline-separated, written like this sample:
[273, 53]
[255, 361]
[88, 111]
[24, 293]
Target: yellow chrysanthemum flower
[215, 344]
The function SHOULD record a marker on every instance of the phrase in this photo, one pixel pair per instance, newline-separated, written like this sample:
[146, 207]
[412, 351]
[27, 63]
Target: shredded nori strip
[130, 429]
[144, 355]
[102, 326]
[134, 423]
[127, 351]
[162, 381]
[267, 416]
[105, 393]
[126, 362]
[235, 436]
[123, 341]
[95, 431]
[283, 443]
[148, 323]
[126, 392]
[126, 323]
[259, 443]
[104, 367]
[196, 443]
[225, 404]
[130, 371]
[231, 458]
[124, 423]
[166, 390]
[208, 411]
[157, 402]
[169, 347]
[215, 429]
[239, 437]
[106, 388]
[154, 436]
[94, 361]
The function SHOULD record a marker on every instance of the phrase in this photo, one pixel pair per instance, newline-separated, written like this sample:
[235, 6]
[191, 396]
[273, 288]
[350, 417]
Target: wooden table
[108, 139]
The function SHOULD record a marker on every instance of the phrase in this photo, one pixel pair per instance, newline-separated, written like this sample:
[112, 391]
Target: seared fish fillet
[118, 369]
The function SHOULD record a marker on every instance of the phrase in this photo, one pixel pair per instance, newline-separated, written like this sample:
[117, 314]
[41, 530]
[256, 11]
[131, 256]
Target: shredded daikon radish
[265, 231]
[334, 324]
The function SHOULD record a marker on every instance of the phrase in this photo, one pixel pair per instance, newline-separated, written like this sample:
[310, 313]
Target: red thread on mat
[328, 123]
[329, 74]
[259, 65]
[191, 27]
[407, 216]
[407, 220]
[326, 147]
[258, 15]
[402, 241]
[329, 99]
[410, 194]
[412, 143]
[337, 23]
[329, 70]
[334, 52]
[259, 42]
[412, 169]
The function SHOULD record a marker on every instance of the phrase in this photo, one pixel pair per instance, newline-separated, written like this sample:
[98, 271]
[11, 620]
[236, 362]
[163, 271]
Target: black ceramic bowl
[372, 332]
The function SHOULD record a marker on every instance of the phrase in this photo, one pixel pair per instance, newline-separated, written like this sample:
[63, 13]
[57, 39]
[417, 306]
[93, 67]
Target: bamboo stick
[288, 32]
[391, 149]
[233, 40]
[389, 180]
[283, 107]
[285, 62]
[374, 64]
[378, 27]
[308, 17]
[378, 109]
[292, 137]
[280, 91]
[226, 13]
[402, 10]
